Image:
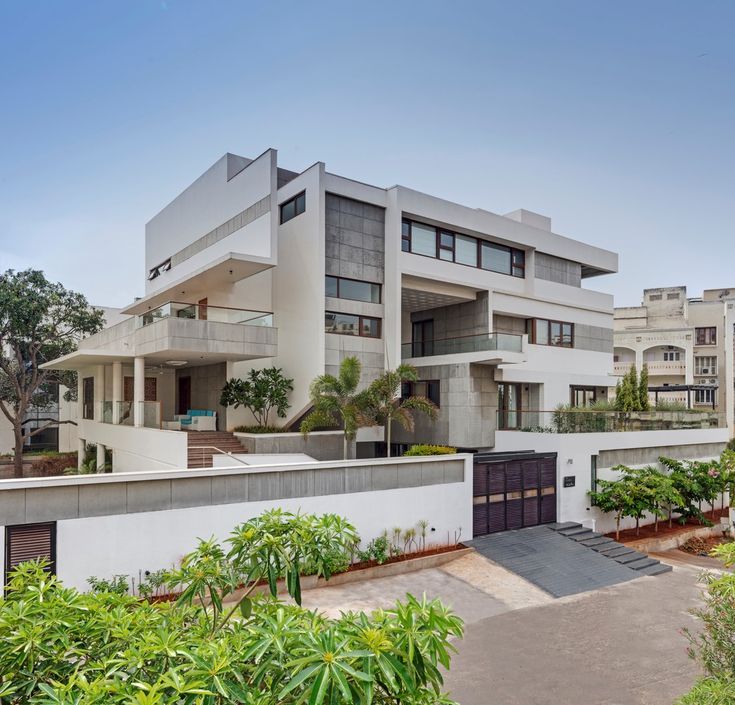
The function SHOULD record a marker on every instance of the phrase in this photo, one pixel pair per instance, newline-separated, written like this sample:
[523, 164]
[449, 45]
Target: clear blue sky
[616, 119]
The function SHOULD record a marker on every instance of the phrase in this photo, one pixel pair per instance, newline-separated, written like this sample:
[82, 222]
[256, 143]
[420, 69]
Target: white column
[689, 365]
[639, 360]
[80, 417]
[99, 391]
[81, 443]
[100, 457]
[138, 390]
[116, 391]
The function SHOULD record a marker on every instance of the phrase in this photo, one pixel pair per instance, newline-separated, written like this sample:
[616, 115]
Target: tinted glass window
[293, 207]
[331, 286]
[341, 323]
[357, 291]
[542, 332]
[495, 258]
[465, 250]
[370, 327]
[423, 240]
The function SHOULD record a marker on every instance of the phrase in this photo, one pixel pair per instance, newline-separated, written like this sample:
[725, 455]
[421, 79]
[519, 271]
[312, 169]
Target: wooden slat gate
[27, 542]
[512, 491]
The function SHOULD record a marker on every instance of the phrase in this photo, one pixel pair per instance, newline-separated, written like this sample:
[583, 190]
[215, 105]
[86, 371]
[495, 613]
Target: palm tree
[386, 405]
[336, 402]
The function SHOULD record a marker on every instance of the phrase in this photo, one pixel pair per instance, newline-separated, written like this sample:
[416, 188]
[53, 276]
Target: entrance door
[423, 338]
[509, 406]
[582, 396]
[184, 403]
[513, 492]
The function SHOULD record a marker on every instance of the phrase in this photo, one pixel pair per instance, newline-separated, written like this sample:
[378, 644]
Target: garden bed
[647, 531]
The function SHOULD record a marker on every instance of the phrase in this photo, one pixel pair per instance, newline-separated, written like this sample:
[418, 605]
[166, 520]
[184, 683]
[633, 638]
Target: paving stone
[616, 551]
[586, 536]
[644, 562]
[656, 569]
[571, 531]
[556, 526]
[630, 558]
[599, 541]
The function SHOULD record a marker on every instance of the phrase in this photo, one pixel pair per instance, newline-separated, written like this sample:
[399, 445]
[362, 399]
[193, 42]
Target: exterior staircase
[204, 444]
[609, 548]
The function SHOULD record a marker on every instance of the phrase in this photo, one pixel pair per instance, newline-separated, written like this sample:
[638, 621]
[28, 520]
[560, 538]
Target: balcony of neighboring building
[661, 361]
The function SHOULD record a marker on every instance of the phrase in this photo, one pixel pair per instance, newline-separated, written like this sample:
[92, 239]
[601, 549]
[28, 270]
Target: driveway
[619, 645]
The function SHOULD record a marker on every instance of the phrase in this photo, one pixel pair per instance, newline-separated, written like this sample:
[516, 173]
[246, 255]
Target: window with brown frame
[439, 243]
[88, 398]
[352, 289]
[547, 332]
[351, 324]
[425, 388]
[705, 336]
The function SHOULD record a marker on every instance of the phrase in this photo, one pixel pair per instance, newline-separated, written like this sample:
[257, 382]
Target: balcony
[583, 421]
[205, 312]
[655, 367]
[120, 413]
[482, 348]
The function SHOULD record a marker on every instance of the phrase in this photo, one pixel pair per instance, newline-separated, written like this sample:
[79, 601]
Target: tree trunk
[345, 446]
[18, 456]
[637, 525]
[387, 438]
[617, 527]
[671, 514]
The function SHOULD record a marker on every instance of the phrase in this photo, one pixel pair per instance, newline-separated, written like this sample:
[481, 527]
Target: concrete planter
[320, 445]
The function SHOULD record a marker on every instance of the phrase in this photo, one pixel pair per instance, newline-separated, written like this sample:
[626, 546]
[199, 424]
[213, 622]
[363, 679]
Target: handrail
[219, 450]
[489, 334]
[187, 303]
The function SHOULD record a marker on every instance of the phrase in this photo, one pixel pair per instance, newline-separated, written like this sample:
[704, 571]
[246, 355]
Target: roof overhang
[86, 358]
[229, 268]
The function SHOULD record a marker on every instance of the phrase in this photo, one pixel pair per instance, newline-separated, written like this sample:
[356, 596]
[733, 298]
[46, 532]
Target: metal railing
[593, 421]
[203, 455]
[205, 312]
[508, 342]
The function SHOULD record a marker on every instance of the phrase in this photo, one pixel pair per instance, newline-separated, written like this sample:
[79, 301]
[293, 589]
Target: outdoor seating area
[195, 420]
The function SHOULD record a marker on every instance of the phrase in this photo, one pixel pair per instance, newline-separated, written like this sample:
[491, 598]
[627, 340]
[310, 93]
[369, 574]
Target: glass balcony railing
[121, 413]
[463, 344]
[205, 312]
[592, 421]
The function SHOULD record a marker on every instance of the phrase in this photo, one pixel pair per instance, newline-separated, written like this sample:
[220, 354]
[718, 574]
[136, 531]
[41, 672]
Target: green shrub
[259, 429]
[377, 550]
[427, 449]
[118, 584]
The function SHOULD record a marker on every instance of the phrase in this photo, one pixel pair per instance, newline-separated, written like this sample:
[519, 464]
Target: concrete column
[117, 391]
[81, 443]
[689, 369]
[639, 360]
[138, 390]
[99, 391]
[80, 396]
[100, 457]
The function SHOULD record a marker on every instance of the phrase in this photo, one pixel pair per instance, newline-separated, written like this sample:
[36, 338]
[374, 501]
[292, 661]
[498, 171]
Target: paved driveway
[615, 646]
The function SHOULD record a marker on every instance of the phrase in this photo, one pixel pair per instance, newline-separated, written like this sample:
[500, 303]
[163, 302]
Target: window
[341, 288]
[421, 239]
[705, 336]
[428, 389]
[593, 476]
[159, 269]
[88, 398]
[582, 396]
[556, 333]
[706, 365]
[293, 207]
[705, 396]
[349, 324]
[655, 297]
[672, 297]
[672, 356]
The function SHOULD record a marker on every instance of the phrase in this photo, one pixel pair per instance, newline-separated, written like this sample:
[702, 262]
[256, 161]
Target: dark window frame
[360, 319]
[531, 328]
[584, 389]
[517, 255]
[159, 269]
[708, 335]
[298, 200]
[408, 389]
[87, 404]
[359, 281]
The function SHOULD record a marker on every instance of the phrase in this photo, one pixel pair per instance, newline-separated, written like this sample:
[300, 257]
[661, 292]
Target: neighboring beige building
[682, 341]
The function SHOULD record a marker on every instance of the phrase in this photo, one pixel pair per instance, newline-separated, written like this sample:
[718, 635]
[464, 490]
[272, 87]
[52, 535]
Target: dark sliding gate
[512, 491]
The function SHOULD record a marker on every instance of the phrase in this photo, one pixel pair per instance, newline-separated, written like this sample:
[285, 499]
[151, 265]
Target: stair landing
[204, 444]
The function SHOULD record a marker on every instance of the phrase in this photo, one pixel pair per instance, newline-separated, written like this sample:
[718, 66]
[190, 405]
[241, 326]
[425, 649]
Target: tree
[622, 497]
[39, 321]
[260, 392]
[386, 405]
[644, 403]
[659, 492]
[61, 646]
[336, 402]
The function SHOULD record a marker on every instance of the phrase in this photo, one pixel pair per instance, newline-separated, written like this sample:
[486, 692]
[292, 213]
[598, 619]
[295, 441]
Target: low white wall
[138, 449]
[574, 453]
[133, 543]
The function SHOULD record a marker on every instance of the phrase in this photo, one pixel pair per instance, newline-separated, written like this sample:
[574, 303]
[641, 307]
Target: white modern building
[255, 265]
[685, 343]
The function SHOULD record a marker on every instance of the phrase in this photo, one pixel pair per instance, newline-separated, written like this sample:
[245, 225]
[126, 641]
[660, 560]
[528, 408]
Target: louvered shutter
[28, 542]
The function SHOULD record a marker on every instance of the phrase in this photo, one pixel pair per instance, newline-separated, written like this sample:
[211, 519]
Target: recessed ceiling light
[176, 363]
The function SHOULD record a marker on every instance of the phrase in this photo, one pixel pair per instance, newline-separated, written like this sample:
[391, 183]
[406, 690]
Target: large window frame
[565, 332]
[705, 362]
[445, 249]
[705, 336]
[375, 289]
[360, 325]
[707, 396]
[299, 207]
[428, 388]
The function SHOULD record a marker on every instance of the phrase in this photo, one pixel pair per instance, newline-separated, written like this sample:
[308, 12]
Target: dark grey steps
[656, 569]
[599, 541]
[607, 546]
[630, 558]
[586, 536]
[612, 551]
[642, 563]
[556, 526]
[574, 530]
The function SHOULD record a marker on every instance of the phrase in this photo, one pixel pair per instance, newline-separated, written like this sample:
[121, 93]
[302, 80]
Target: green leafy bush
[118, 584]
[426, 449]
[259, 429]
[378, 550]
[65, 647]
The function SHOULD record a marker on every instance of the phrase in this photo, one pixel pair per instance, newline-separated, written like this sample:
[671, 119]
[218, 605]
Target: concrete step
[657, 569]
[556, 526]
[599, 541]
[574, 530]
[586, 536]
[644, 562]
[610, 550]
[631, 557]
